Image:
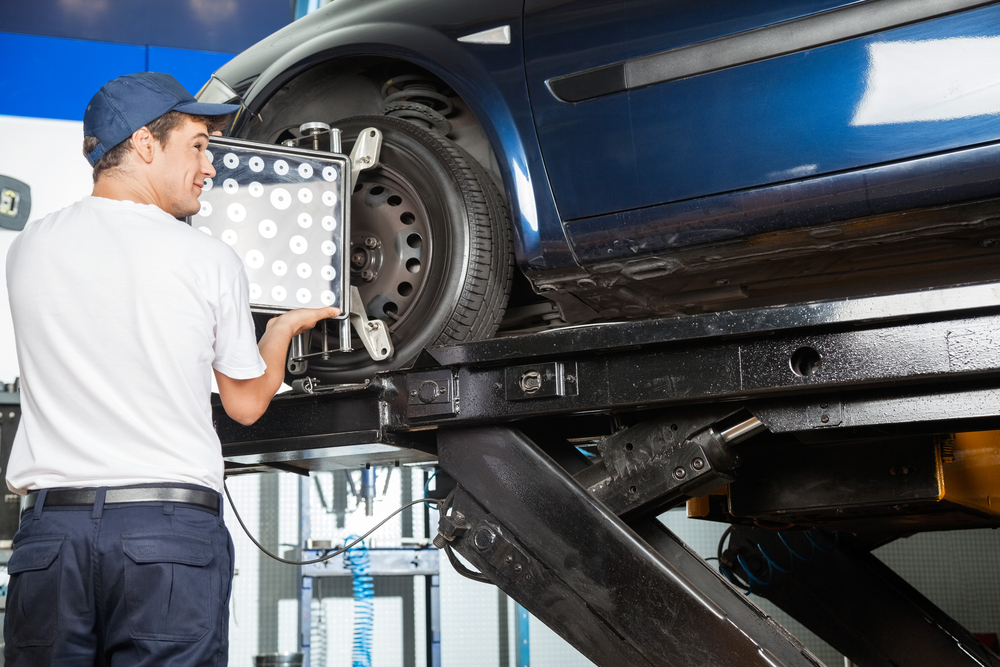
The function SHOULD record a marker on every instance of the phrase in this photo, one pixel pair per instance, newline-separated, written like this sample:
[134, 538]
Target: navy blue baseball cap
[124, 105]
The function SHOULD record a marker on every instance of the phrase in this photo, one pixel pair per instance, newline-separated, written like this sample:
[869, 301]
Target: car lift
[833, 421]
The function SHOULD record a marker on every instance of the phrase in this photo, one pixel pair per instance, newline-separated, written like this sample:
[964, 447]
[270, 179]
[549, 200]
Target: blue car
[552, 162]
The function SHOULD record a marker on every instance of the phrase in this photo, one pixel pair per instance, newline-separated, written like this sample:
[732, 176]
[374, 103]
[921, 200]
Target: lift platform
[829, 428]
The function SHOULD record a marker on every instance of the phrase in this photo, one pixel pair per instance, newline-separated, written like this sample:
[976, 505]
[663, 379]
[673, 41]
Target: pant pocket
[33, 591]
[169, 594]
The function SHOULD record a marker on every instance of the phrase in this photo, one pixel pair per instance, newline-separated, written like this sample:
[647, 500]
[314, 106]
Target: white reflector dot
[256, 164]
[329, 173]
[267, 229]
[305, 195]
[207, 185]
[280, 199]
[305, 170]
[255, 291]
[304, 270]
[236, 212]
[303, 295]
[206, 209]
[326, 298]
[280, 167]
[329, 224]
[206, 230]
[208, 154]
[229, 236]
[329, 198]
[255, 259]
[328, 248]
[278, 293]
[328, 273]
[255, 189]
[231, 160]
[230, 186]
[305, 220]
[298, 244]
[279, 268]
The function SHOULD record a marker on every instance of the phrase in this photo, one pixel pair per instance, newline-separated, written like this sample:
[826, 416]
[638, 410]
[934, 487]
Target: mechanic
[121, 314]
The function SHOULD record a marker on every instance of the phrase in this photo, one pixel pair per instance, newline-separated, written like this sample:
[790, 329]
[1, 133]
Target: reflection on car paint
[525, 197]
[929, 80]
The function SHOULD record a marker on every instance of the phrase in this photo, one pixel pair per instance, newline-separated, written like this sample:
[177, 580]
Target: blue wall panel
[47, 77]
[55, 78]
[191, 68]
[229, 26]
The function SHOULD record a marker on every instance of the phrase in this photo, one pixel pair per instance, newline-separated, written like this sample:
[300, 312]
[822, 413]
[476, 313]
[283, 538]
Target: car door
[718, 96]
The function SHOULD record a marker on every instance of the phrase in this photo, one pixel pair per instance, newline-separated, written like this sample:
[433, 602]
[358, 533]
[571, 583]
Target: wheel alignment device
[373, 333]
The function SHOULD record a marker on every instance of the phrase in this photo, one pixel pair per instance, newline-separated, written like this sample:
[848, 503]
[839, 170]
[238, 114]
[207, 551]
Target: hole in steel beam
[805, 361]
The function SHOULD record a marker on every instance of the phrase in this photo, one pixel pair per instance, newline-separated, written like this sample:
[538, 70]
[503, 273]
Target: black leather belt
[137, 494]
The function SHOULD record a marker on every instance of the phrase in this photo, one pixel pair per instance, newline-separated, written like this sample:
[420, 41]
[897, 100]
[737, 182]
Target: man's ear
[145, 144]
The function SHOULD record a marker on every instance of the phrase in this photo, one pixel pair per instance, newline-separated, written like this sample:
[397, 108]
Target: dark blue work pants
[119, 586]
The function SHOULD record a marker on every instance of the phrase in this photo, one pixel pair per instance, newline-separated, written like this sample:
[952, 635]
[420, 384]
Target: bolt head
[680, 473]
[825, 418]
[367, 275]
[371, 241]
[697, 464]
[483, 538]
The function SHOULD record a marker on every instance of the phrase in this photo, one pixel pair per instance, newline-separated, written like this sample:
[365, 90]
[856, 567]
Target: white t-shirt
[120, 314]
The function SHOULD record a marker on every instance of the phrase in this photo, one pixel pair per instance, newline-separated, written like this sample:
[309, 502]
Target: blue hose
[364, 612]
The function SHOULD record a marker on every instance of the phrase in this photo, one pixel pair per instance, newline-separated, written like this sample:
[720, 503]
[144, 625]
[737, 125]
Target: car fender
[490, 78]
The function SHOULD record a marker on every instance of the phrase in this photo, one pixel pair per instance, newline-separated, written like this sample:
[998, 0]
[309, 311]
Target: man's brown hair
[159, 128]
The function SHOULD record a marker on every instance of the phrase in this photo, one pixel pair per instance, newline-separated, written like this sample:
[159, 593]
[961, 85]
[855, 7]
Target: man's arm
[246, 400]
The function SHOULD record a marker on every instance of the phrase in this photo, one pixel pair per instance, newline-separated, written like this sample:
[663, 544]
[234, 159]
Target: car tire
[430, 249]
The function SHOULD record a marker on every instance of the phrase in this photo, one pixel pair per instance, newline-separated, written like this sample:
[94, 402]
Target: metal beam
[854, 602]
[537, 534]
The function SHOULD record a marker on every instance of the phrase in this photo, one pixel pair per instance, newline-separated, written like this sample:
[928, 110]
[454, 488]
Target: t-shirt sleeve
[236, 353]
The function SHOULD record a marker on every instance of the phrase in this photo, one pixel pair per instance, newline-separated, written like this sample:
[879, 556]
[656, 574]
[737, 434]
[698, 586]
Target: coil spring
[364, 612]
[773, 566]
[419, 100]
[318, 635]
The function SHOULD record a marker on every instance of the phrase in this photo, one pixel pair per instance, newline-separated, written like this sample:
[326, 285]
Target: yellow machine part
[969, 472]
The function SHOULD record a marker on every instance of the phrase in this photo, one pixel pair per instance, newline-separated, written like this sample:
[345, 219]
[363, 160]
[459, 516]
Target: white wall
[47, 155]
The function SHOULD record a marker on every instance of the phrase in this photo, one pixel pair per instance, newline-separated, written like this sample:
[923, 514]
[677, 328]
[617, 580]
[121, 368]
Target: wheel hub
[391, 245]
[366, 257]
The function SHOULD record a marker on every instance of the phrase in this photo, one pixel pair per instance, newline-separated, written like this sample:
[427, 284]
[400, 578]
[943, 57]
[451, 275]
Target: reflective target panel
[284, 212]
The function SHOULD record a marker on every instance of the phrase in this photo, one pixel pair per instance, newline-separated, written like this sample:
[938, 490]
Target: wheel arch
[518, 161]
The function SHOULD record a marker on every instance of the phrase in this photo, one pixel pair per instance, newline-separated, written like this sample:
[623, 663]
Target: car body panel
[823, 110]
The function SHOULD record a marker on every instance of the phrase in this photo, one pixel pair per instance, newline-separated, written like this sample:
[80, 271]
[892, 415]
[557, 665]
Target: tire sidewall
[431, 173]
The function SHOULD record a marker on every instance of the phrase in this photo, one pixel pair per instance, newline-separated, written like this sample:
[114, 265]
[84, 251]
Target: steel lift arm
[692, 407]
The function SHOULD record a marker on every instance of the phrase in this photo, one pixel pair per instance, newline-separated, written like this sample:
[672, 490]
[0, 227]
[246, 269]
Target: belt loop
[221, 505]
[168, 507]
[99, 502]
[39, 504]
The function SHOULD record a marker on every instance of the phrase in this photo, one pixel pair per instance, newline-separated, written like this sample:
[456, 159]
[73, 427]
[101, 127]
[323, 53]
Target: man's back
[117, 309]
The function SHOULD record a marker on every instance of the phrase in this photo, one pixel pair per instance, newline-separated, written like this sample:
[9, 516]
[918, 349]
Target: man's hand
[301, 320]
[246, 400]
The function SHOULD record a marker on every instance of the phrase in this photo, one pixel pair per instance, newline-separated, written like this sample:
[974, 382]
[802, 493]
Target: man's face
[180, 168]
